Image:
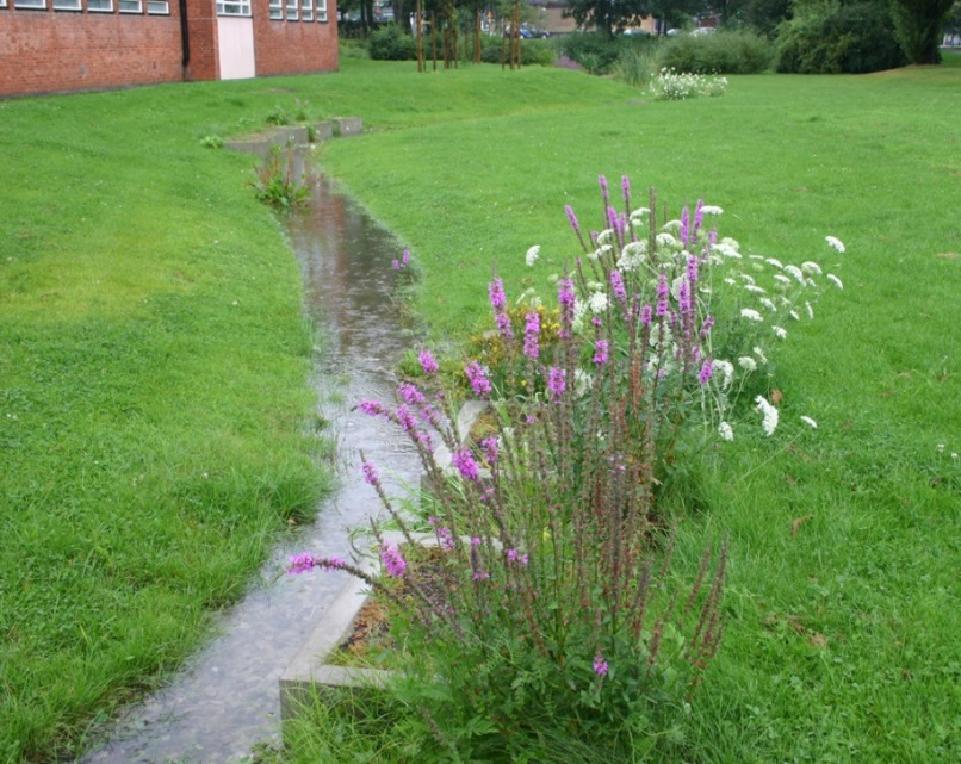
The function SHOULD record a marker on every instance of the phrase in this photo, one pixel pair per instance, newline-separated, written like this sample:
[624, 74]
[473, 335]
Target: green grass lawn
[153, 358]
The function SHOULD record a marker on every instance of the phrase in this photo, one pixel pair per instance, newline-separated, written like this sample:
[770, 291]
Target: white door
[236, 42]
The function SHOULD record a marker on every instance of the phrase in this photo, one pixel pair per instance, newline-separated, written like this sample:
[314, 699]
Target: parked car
[530, 33]
[636, 33]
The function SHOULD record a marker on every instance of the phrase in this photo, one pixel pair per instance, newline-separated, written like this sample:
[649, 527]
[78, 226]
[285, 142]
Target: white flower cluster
[671, 85]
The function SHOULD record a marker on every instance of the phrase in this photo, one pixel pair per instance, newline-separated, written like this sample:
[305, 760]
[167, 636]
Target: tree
[609, 16]
[919, 25]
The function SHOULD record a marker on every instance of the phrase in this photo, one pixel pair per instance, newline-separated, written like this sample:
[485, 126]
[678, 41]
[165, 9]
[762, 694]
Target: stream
[225, 699]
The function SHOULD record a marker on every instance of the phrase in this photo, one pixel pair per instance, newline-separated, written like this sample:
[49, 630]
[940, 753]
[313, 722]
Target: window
[233, 7]
[99, 6]
[41, 4]
[307, 10]
[275, 10]
[291, 10]
[156, 6]
[321, 10]
[131, 6]
[66, 5]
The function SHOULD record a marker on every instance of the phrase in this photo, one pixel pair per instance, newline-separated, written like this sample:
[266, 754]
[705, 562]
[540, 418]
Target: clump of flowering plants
[556, 604]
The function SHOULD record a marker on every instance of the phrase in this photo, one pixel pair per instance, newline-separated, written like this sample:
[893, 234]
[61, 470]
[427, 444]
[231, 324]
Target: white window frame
[31, 5]
[158, 7]
[292, 10]
[275, 10]
[67, 5]
[307, 10]
[94, 9]
[233, 7]
[322, 10]
[138, 9]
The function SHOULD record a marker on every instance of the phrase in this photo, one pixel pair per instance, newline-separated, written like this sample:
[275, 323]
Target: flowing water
[226, 699]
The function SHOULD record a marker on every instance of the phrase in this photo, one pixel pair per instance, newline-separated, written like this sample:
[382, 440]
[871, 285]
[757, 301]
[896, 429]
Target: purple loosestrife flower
[489, 444]
[626, 190]
[698, 215]
[712, 237]
[480, 575]
[411, 395]
[370, 473]
[516, 557]
[475, 541]
[427, 362]
[406, 419]
[692, 269]
[612, 219]
[301, 563]
[395, 264]
[532, 334]
[685, 225]
[663, 291]
[371, 408]
[495, 291]
[600, 665]
[707, 326]
[600, 352]
[617, 287]
[464, 461]
[393, 561]
[684, 296]
[602, 182]
[556, 382]
[565, 293]
[445, 538]
[405, 257]
[707, 371]
[477, 377]
[572, 219]
[646, 314]
[503, 322]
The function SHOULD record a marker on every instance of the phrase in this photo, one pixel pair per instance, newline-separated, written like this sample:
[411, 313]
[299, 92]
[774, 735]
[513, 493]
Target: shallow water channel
[225, 699]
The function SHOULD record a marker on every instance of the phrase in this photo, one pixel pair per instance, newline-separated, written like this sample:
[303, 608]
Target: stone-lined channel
[225, 700]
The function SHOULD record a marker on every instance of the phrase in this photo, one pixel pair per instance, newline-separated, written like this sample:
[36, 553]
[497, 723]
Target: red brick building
[56, 45]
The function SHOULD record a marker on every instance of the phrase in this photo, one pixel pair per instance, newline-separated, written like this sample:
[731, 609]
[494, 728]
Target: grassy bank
[153, 359]
[843, 603]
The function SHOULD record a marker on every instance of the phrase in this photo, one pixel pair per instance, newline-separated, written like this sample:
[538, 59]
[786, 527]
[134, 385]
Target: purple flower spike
[712, 236]
[395, 264]
[707, 326]
[301, 563]
[371, 408]
[556, 382]
[617, 286]
[612, 219]
[685, 225]
[445, 538]
[489, 445]
[602, 182]
[516, 557]
[600, 352]
[427, 362]
[698, 215]
[663, 289]
[532, 335]
[572, 219]
[411, 395]
[496, 293]
[626, 190]
[464, 461]
[692, 268]
[405, 257]
[480, 575]
[370, 473]
[475, 541]
[477, 377]
[600, 665]
[565, 293]
[707, 371]
[393, 560]
[646, 314]
[684, 297]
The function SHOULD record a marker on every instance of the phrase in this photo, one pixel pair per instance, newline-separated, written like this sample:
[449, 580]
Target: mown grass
[132, 373]
[841, 640]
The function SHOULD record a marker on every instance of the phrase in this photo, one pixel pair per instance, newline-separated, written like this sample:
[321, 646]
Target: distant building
[60, 45]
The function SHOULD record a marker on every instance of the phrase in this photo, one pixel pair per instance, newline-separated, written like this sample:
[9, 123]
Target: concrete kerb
[309, 676]
[296, 135]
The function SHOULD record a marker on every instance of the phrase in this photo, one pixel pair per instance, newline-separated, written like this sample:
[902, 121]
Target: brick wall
[48, 51]
[289, 47]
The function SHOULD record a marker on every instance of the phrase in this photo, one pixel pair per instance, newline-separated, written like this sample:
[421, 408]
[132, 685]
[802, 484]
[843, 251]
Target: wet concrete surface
[225, 700]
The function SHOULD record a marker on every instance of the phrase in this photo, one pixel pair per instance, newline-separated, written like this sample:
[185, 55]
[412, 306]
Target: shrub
[552, 610]
[277, 181]
[832, 39]
[389, 43]
[533, 52]
[722, 52]
[598, 53]
[635, 66]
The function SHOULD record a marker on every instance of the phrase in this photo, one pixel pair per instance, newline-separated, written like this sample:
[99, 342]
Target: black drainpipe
[184, 38]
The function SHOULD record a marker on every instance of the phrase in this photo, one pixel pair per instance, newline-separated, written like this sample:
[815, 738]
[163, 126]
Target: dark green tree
[920, 26]
[608, 16]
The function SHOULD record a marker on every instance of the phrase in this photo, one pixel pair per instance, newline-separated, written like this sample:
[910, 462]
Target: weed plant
[278, 182]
